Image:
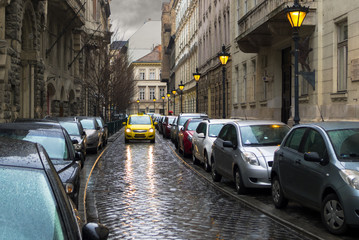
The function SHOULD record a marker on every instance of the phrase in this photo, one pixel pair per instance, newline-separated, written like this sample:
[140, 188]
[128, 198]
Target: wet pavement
[147, 191]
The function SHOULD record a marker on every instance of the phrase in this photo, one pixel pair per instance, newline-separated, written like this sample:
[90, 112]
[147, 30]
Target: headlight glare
[250, 158]
[351, 177]
[151, 130]
[128, 130]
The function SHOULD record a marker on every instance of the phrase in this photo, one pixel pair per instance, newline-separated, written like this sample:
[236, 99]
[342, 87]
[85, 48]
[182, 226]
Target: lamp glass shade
[154, 99]
[223, 58]
[163, 97]
[196, 76]
[174, 92]
[296, 17]
[181, 87]
[168, 95]
[138, 101]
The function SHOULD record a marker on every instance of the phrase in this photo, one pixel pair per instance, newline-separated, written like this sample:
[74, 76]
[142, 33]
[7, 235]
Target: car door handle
[298, 161]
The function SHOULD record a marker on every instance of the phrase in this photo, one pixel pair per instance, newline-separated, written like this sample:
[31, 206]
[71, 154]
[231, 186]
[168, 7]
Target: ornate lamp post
[168, 101]
[163, 104]
[223, 57]
[296, 15]
[154, 105]
[138, 105]
[181, 86]
[174, 100]
[196, 76]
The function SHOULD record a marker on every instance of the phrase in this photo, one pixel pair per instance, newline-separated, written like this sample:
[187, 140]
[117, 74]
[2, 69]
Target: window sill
[339, 97]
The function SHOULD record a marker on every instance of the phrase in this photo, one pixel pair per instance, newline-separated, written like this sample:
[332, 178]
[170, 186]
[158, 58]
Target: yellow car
[140, 127]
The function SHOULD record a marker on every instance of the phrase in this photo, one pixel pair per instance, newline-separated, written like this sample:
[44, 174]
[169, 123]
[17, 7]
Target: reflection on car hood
[266, 152]
[351, 165]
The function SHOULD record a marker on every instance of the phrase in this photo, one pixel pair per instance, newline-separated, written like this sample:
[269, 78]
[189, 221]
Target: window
[293, 141]
[152, 74]
[314, 142]
[342, 56]
[254, 77]
[142, 74]
[152, 93]
[223, 132]
[244, 86]
[142, 93]
[162, 92]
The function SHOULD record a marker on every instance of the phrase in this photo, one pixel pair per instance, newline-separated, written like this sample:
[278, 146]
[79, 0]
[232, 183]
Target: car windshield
[345, 143]
[87, 123]
[28, 207]
[71, 128]
[264, 135]
[182, 120]
[192, 125]
[214, 129]
[53, 142]
[139, 120]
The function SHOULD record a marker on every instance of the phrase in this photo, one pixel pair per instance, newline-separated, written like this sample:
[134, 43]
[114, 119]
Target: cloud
[129, 15]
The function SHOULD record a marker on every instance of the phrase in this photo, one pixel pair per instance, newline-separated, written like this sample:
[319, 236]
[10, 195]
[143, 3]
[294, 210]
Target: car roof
[217, 120]
[257, 122]
[333, 125]
[32, 125]
[14, 152]
[192, 114]
[63, 119]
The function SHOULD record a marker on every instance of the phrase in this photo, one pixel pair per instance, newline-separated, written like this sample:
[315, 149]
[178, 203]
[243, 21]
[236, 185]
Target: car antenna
[320, 113]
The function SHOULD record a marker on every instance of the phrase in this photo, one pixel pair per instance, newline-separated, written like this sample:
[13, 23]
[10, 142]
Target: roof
[335, 125]
[257, 122]
[117, 45]
[153, 57]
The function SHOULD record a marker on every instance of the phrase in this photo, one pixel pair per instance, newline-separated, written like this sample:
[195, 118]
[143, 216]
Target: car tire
[194, 159]
[240, 188]
[278, 197]
[216, 177]
[207, 167]
[333, 215]
[126, 140]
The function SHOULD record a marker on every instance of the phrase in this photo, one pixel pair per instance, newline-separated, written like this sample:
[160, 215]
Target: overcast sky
[129, 15]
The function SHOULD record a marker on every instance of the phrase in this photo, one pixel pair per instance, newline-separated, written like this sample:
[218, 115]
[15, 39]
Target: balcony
[67, 9]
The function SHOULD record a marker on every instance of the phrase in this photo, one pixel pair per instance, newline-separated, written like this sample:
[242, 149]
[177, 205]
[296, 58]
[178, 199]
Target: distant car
[173, 129]
[166, 126]
[57, 144]
[317, 165]
[34, 204]
[243, 152]
[181, 119]
[76, 132]
[203, 138]
[104, 129]
[93, 132]
[185, 136]
[160, 124]
[139, 127]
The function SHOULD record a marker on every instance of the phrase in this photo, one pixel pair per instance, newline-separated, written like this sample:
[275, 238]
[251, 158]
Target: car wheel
[215, 175]
[126, 140]
[277, 194]
[333, 214]
[207, 167]
[240, 188]
[194, 159]
[153, 140]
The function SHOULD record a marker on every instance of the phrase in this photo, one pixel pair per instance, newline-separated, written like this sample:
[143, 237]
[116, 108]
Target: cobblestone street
[143, 191]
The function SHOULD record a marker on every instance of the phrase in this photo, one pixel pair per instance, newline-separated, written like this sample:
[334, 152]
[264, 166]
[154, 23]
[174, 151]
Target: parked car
[166, 126]
[77, 133]
[203, 138]
[140, 127]
[243, 152]
[185, 136]
[93, 132]
[104, 130]
[57, 144]
[318, 165]
[173, 129]
[160, 124]
[181, 119]
[34, 204]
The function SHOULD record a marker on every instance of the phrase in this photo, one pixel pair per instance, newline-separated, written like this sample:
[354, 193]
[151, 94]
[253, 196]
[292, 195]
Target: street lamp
[168, 101]
[196, 76]
[163, 104]
[154, 105]
[174, 100]
[296, 15]
[223, 57]
[138, 105]
[181, 86]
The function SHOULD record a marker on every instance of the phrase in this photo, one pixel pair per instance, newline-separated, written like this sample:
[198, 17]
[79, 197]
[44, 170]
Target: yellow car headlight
[128, 130]
[151, 130]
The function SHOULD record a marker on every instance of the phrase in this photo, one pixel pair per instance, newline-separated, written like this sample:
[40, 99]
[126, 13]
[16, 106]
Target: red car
[185, 136]
[166, 126]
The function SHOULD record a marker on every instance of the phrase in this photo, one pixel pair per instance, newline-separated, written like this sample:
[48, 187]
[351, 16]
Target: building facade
[149, 87]
[42, 57]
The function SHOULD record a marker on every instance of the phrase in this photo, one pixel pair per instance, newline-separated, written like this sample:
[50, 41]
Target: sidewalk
[90, 202]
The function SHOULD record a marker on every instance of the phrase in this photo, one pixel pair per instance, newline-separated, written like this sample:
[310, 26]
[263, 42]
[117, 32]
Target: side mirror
[95, 231]
[83, 133]
[98, 128]
[314, 157]
[74, 141]
[200, 135]
[123, 123]
[229, 144]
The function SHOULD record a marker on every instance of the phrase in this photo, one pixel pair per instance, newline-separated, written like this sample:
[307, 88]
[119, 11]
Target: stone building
[149, 88]
[42, 58]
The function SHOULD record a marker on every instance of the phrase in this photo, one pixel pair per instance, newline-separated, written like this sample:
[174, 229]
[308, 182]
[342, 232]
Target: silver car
[318, 165]
[243, 152]
[203, 138]
[93, 132]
